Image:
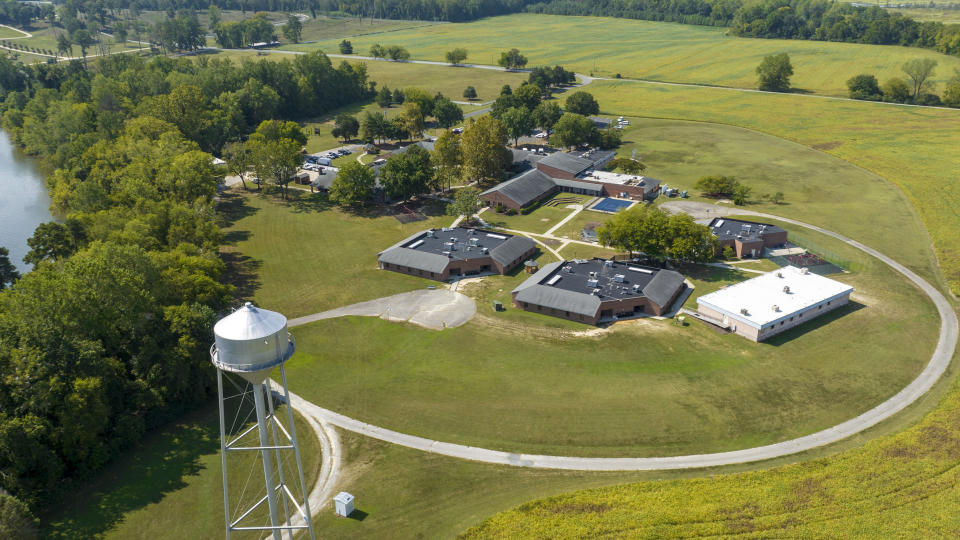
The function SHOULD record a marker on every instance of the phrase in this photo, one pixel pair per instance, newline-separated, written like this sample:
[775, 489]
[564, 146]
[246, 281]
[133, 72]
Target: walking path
[577, 208]
[939, 362]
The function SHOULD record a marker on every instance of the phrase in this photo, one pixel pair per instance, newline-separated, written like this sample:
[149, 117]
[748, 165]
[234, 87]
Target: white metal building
[773, 302]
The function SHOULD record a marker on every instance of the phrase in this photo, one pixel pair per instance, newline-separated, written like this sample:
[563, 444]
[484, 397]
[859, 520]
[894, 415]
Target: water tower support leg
[267, 457]
[296, 452]
[223, 455]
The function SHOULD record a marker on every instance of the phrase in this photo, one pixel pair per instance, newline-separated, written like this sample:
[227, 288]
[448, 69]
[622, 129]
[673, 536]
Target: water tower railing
[249, 368]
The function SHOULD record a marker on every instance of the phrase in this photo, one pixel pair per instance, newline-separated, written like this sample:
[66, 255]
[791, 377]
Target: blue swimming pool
[611, 205]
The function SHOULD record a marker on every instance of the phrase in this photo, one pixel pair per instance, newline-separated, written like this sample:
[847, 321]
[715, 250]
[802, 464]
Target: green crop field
[653, 50]
[170, 485]
[918, 156]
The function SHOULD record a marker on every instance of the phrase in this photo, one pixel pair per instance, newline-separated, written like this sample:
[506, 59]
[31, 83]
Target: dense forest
[107, 336]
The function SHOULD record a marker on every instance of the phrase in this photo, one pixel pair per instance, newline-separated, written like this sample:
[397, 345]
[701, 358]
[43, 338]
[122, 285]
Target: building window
[791, 319]
[828, 302]
[820, 306]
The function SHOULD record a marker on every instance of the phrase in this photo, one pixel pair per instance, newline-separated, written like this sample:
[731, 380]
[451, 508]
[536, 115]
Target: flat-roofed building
[747, 238]
[460, 251]
[773, 302]
[597, 290]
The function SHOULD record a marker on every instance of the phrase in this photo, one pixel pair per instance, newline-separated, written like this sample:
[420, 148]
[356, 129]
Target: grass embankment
[918, 156]
[170, 486]
[654, 50]
[647, 388]
[900, 486]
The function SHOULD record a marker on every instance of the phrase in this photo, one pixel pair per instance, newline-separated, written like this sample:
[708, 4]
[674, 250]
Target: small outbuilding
[343, 504]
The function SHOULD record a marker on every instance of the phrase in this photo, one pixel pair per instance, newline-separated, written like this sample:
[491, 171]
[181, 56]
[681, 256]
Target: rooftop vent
[608, 264]
[636, 286]
[786, 289]
[743, 311]
[592, 283]
[485, 250]
[779, 274]
[776, 308]
[596, 292]
[804, 270]
[568, 269]
[447, 254]
[431, 234]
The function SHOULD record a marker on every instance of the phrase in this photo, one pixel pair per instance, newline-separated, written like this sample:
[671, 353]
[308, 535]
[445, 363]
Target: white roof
[248, 323]
[616, 178]
[760, 294]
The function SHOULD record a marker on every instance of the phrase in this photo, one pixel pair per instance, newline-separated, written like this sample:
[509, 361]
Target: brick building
[596, 290]
[747, 238]
[443, 253]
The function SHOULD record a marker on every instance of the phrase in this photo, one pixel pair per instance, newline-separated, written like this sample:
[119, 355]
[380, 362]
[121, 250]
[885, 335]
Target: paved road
[433, 309]
[939, 361]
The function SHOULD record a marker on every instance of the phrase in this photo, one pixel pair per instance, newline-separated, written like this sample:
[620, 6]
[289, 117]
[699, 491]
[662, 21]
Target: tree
[8, 272]
[214, 16]
[546, 114]
[64, 45]
[16, 521]
[447, 160]
[951, 94]
[238, 158]
[412, 118]
[506, 90]
[120, 33]
[895, 90]
[346, 127]
[512, 59]
[50, 242]
[919, 70]
[353, 185]
[456, 56]
[398, 97]
[865, 87]
[397, 53]
[346, 47]
[627, 165]
[84, 40]
[504, 102]
[777, 198]
[421, 97]
[377, 51]
[529, 95]
[446, 113]
[485, 155]
[741, 194]
[470, 93]
[774, 73]
[572, 130]
[373, 126]
[275, 151]
[384, 97]
[717, 186]
[465, 202]
[653, 232]
[293, 30]
[408, 174]
[582, 103]
[518, 122]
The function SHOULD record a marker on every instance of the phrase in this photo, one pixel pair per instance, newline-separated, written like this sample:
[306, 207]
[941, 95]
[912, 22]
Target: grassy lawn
[900, 486]
[541, 219]
[580, 251]
[657, 51]
[448, 80]
[305, 256]
[572, 228]
[918, 157]
[8, 32]
[647, 388]
[170, 486]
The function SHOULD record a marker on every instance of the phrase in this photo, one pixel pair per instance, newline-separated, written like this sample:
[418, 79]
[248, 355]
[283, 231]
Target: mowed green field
[652, 50]
[170, 485]
[645, 388]
[912, 147]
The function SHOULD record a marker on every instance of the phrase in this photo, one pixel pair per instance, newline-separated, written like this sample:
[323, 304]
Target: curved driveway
[919, 386]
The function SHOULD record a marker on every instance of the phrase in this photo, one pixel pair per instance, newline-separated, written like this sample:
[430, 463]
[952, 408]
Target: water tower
[250, 343]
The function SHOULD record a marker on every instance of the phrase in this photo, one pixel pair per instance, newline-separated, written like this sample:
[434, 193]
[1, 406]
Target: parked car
[345, 152]
[457, 130]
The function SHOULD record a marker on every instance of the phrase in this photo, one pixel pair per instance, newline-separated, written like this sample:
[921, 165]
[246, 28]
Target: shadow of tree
[233, 207]
[242, 272]
[143, 476]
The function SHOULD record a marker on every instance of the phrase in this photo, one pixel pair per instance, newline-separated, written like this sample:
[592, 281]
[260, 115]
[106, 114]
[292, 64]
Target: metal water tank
[251, 341]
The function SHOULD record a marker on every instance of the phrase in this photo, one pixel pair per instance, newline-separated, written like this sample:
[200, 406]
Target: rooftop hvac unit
[776, 308]
[568, 269]
[608, 264]
[596, 292]
[779, 274]
[636, 287]
[786, 289]
[471, 232]
[431, 234]
[593, 274]
[485, 250]
[804, 270]
[743, 311]
[592, 283]
[618, 278]
[474, 241]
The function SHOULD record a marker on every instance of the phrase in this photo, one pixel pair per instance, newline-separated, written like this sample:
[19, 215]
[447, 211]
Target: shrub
[513, 212]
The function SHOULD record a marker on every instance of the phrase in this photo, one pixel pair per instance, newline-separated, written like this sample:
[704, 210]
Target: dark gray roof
[663, 287]
[524, 188]
[601, 123]
[509, 251]
[552, 297]
[728, 229]
[567, 162]
[426, 145]
[587, 186]
[649, 184]
[411, 258]
[544, 271]
[525, 156]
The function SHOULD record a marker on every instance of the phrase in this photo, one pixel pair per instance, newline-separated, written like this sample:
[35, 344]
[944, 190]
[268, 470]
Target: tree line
[107, 336]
